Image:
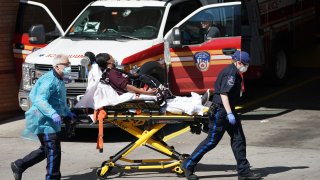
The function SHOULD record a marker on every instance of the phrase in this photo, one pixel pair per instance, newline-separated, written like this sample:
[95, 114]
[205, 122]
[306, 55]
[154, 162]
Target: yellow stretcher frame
[144, 138]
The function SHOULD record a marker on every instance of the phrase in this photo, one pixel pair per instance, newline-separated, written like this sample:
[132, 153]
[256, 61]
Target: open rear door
[196, 64]
[32, 13]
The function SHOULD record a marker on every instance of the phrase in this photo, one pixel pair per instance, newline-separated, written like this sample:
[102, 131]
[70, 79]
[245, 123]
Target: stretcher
[143, 119]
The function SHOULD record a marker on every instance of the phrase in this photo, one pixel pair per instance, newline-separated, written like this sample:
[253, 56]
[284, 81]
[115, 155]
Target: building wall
[8, 86]
[65, 11]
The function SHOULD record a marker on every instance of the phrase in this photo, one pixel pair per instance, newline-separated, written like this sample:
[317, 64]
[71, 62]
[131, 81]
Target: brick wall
[8, 86]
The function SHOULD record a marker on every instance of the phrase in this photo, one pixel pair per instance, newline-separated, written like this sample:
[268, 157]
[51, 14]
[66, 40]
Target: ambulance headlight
[28, 74]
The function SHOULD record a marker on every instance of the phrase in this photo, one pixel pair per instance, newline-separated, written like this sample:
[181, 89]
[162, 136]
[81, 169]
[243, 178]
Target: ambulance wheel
[153, 69]
[279, 66]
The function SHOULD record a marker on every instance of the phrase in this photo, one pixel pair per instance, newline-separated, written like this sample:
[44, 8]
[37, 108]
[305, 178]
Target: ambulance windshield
[111, 23]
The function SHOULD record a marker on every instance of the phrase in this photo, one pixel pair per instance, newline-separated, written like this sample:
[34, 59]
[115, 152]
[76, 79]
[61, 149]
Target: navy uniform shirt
[229, 82]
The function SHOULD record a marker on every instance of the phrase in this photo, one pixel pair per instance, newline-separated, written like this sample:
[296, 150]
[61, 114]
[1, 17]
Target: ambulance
[135, 33]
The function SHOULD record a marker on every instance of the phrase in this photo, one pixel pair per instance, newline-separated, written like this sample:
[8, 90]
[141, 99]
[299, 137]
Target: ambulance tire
[153, 69]
[279, 67]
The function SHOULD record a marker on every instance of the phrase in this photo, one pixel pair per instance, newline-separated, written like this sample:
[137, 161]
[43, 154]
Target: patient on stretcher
[108, 86]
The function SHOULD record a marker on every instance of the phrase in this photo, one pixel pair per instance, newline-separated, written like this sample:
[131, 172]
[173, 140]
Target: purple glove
[231, 119]
[56, 119]
[72, 116]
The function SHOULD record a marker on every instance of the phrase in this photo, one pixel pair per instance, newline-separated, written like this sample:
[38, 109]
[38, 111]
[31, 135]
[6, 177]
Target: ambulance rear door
[196, 63]
[32, 15]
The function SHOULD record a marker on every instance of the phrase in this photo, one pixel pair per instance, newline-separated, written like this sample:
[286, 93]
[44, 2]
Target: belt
[213, 107]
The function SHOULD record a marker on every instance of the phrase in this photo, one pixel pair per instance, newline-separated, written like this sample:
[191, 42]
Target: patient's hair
[102, 59]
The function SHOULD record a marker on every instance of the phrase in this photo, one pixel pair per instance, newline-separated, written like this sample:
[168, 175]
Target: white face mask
[66, 71]
[243, 68]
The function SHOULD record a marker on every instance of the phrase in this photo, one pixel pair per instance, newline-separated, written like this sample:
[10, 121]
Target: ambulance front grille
[81, 70]
[48, 67]
[72, 92]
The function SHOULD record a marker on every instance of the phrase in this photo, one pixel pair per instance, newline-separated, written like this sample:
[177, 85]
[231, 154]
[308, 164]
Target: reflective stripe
[51, 157]
[210, 142]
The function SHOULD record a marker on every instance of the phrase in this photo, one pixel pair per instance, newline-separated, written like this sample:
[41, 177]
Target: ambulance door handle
[228, 51]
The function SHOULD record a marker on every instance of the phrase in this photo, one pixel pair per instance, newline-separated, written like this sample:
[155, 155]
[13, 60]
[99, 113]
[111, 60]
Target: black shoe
[205, 97]
[249, 176]
[17, 172]
[188, 173]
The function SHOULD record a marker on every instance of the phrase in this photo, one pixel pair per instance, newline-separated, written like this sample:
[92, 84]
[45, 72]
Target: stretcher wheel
[104, 163]
[98, 174]
[103, 172]
[178, 171]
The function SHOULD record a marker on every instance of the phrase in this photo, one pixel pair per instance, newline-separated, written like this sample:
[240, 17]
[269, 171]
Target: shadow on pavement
[115, 174]
[18, 116]
[263, 171]
[201, 167]
[89, 175]
[277, 169]
[116, 134]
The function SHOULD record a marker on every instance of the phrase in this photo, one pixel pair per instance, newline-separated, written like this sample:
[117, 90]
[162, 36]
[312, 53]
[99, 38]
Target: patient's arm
[134, 89]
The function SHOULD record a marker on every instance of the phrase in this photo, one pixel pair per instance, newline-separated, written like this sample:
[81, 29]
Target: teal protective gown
[48, 96]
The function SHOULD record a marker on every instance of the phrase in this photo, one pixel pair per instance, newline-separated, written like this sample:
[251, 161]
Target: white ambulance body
[133, 32]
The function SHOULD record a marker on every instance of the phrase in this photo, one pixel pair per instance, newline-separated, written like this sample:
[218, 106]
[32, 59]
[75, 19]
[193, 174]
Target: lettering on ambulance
[269, 6]
[279, 12]
[69, 56]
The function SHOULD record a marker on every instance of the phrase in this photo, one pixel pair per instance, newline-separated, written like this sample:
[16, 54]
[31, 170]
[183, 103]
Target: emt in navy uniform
[43, 120]
[223, 117]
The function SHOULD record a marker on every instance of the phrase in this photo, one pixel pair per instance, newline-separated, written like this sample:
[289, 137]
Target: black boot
[249, 176]
[17, 172]
[188, 173]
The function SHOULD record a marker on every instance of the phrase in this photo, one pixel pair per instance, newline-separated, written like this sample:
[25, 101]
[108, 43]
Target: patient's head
[104, 60]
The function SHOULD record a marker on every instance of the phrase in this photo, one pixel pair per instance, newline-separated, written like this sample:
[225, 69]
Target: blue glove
[231, 119]
[56, 119]
[72, 116]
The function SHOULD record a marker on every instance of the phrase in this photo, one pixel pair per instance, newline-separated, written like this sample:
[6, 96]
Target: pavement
[281, 127]
[281, 147]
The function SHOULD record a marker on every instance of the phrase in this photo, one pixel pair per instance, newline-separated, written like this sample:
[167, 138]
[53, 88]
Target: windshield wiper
[81, 36]
[129, 37]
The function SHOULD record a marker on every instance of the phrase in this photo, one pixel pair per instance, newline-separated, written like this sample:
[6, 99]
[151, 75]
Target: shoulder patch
[230, 80]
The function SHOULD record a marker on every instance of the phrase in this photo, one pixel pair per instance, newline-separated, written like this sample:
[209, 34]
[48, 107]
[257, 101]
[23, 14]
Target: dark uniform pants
[218, 124]
[51, 149]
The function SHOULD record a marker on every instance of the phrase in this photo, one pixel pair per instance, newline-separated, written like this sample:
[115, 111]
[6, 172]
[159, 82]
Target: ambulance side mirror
[176, 38]
[37, 34]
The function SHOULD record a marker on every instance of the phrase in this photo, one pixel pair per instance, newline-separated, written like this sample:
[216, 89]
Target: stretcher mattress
[104, 95]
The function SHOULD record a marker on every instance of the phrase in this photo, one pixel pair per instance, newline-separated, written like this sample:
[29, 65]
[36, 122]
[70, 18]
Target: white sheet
[98, 95]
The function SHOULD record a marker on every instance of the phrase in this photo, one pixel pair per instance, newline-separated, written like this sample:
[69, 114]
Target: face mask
[114, 65]
[243, 69]
[66, 70]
